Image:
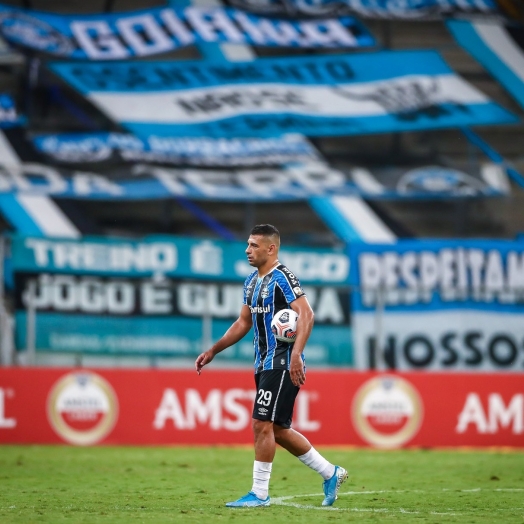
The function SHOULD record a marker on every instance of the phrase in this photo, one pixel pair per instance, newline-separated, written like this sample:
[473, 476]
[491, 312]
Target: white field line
[473, 490]
[286, 501]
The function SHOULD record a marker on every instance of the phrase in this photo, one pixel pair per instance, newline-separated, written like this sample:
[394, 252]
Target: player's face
[258, 250]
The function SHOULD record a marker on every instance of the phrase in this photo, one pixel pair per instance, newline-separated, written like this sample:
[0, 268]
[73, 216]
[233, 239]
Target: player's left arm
[306, 319]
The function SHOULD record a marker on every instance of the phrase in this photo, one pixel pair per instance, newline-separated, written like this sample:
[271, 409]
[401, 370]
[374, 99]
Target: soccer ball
[284, 325]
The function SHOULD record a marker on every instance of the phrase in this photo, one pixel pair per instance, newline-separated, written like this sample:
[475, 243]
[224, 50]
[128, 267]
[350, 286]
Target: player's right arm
[237, 331]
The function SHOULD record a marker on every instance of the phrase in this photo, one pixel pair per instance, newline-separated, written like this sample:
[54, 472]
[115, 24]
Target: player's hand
[296, 370]
[202, 360]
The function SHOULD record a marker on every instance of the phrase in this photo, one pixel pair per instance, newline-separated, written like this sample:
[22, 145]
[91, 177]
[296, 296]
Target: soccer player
[279, 367]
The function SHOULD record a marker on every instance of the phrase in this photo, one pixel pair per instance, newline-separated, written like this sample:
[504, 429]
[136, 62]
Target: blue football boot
[332, 485]
[248, 501]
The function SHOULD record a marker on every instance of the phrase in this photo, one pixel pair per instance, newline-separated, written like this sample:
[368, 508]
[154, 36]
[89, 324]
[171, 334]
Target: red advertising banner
[88, 407]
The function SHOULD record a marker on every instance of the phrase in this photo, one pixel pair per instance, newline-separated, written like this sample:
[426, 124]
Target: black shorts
[275, 398]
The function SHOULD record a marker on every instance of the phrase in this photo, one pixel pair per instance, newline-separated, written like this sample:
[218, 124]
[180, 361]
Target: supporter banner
[102, 147]
[171, 337]
[439, 305]
[169, 256]
[284, 168]
[431, 181]
[293, 182]
[407, 9]
[8, 115]
[114, 407]
[81, 306]
[117, 297]
[160, 30]
[323, 95]
[144, 317]
[498, 47]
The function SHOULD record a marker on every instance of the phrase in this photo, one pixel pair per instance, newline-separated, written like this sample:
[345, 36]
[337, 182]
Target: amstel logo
[387, 411]
[82, 408]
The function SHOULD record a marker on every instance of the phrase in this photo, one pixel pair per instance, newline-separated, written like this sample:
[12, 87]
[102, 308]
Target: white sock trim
[261, 476]
[318, 463]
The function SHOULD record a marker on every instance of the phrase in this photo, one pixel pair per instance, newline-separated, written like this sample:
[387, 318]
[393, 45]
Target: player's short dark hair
[266, 230]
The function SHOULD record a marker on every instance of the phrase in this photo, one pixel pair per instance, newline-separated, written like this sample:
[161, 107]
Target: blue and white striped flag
[356, 94]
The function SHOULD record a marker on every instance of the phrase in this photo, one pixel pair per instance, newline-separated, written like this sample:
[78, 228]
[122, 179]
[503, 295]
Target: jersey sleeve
[289, 284]
[248, 284]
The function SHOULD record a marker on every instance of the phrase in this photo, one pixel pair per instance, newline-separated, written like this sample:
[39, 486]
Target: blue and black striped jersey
[265, 297]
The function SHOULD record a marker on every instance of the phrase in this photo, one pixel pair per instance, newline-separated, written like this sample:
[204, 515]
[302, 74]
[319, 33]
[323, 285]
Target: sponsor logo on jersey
[262, 411]
[298, 291]
[387, 411]
[82, 408]
[260, 309]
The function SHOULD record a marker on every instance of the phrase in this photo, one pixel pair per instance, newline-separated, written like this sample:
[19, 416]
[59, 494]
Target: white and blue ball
[284, 325]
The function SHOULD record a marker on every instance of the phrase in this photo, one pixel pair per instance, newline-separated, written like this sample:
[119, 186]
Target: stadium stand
[56, 103]
[53, 107]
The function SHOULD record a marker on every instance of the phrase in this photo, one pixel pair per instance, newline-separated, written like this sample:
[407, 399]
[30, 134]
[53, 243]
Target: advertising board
[343, 408]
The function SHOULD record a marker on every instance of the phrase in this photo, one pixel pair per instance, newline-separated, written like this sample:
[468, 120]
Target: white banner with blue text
[439, 305]
[356, 94]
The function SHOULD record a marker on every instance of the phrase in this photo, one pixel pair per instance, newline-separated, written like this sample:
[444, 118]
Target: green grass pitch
[58, 484]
